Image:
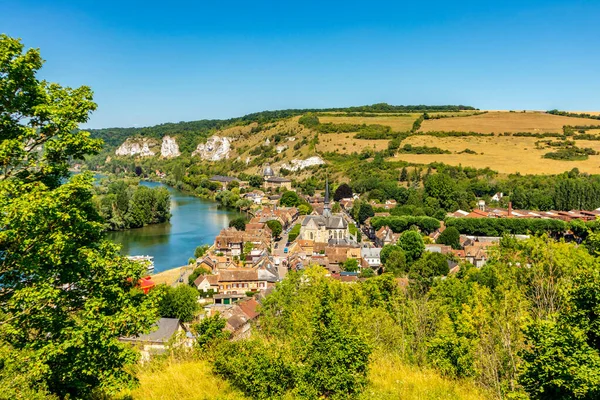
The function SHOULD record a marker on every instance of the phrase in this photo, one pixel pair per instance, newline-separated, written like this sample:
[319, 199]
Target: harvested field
[504, 154]
[398, 124]
[500, 122]
[344, 143]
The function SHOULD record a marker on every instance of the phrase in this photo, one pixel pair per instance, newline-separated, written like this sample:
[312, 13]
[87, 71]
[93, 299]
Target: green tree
[365, 211]
[238, 223]
[180, 302]
[210, 330]
[290, 199]
[393, 259]
[342, 192]
[450, 237]
[255, 181]
[201, 250]
[412, 243]
[196, 273]
[336, 361]
[403, 175]
[67, 295]
[275, 227]
[350, 265]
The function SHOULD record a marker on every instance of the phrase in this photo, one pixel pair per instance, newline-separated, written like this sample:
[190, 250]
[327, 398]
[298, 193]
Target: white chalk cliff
[169, 147]
[297, 165]
[216, 148]
[144, 147]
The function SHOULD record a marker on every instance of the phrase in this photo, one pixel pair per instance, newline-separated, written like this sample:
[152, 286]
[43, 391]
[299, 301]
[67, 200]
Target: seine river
[194, 222]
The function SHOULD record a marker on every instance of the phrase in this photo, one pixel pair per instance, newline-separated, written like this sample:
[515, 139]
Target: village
[243, 266]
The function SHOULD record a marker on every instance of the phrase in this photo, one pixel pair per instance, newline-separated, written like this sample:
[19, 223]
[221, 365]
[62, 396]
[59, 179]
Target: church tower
[326, 207]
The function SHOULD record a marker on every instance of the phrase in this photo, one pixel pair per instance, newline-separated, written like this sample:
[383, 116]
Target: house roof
[221, 178]
[277, 179]
[161, 332]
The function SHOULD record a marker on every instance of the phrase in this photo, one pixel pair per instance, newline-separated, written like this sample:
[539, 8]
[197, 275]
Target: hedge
[404, 222]
[499, 226]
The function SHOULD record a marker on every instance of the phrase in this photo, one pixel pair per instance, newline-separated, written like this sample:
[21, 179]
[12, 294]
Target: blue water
[194, 222]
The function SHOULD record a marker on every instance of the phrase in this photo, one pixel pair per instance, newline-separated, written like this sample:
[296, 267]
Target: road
[278, 252]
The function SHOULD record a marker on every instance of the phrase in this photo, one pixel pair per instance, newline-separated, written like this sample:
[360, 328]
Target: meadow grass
[500, 122]
[389, 378]
[505, 154]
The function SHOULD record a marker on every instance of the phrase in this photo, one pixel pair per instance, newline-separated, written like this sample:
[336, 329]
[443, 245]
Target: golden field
[389, 378]
[345, 143]
[505, 154]
[500, 122]
[397, 123]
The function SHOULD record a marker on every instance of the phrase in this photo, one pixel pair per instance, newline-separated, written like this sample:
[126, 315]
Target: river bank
[194, 222]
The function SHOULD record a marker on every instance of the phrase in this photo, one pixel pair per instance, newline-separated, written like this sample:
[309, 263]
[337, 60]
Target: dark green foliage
[572, 114]
[417, 124]
[572, 153]
[290, 199]
[336, 361]
[275, 227]
[201, 250]
[125, 205]
[294, 232]
[393, 259]
[410, 149]
[259, 370]
[500, 226]
[342, 192]
[180, 302]
[365, 211]
[210, 331]
[196, 273]
[255, 181]
[238, 223]
[430, 265]
[450, 237]
[412, 243]
[350, 265]
[403, 223]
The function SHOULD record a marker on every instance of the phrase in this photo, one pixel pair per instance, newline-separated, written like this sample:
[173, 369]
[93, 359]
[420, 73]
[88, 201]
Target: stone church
[327, 228]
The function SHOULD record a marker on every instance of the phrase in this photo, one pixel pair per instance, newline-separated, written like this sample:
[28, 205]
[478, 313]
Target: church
[326, 228]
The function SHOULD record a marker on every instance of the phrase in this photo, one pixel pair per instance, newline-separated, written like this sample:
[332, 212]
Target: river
[194, 222]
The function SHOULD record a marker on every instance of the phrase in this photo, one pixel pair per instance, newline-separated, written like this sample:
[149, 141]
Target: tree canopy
[67, 295]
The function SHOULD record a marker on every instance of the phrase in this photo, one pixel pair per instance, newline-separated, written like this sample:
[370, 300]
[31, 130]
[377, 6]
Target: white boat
[147, 260]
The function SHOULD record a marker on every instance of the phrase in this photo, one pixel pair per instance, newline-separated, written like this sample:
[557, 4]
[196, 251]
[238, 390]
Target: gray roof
[370, 252]
[277, 179]
[333, 222]
[161, 332]
[221, 178]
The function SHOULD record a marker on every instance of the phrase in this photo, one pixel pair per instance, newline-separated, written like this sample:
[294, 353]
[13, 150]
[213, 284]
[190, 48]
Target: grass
[185, 380]
[500, 122]
[344, 143]
[389, 378]
[397, 123]
[505, 154]
[352, 229]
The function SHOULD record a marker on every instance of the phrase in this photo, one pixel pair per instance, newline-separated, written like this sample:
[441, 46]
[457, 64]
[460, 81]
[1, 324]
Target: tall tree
[67, 295]
[342, 192]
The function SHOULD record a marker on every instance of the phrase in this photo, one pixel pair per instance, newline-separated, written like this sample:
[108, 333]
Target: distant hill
[190, 133]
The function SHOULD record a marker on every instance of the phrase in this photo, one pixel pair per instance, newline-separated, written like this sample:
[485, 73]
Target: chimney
[509, 209]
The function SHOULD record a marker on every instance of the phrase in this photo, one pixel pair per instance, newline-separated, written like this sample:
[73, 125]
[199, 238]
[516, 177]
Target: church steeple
[326, 208]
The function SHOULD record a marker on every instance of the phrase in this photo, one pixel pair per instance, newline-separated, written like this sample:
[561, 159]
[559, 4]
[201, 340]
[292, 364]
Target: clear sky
[150, 62]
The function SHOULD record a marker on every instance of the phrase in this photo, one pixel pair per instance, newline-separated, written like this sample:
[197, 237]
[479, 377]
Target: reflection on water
[193, 222]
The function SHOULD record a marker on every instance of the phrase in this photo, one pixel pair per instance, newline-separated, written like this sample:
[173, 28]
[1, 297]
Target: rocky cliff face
[297, 165]
[169, 147]
[216, 148]
[144, 147]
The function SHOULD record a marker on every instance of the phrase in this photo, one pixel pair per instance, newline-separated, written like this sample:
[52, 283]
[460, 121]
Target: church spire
[326, 208]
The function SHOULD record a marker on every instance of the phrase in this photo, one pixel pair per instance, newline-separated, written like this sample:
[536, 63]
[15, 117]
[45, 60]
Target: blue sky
[152, 62]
